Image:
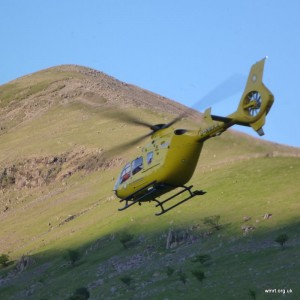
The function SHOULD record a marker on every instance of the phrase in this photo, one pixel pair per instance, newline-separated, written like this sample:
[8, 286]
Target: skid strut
[129, 202]
[184, 189]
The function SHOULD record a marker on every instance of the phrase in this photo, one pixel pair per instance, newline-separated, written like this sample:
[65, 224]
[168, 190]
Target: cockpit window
[137, 165]
[130, 169]
[125, 174]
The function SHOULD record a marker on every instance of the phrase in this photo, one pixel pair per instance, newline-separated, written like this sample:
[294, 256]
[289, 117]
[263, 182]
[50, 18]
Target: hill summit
[31, 95]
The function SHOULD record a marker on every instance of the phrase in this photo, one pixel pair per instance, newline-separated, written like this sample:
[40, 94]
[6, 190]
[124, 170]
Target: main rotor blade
[125, 146]
[175, 120]
[226, 89]
[129, 118]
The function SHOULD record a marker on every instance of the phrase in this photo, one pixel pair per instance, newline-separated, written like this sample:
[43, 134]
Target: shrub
[73, 256]
[202, 258]
[4, 260]
[199, 275]
[125, 238]
[282, 239]
[80, 294]
[170, 271]
[252, 294]
[126, 280]
[182, 277]
[213, 222]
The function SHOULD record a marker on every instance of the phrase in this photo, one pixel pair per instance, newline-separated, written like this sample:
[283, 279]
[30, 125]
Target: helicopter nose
[116, 193]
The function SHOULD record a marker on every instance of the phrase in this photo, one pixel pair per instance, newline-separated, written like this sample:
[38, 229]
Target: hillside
[56, 182]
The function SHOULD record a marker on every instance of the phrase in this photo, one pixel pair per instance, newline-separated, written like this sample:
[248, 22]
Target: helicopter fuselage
[169, 161]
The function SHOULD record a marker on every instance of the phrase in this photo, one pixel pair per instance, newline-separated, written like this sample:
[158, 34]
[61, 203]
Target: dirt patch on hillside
[38, 171]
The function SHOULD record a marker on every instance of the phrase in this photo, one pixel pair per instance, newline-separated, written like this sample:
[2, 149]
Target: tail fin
[255, 103]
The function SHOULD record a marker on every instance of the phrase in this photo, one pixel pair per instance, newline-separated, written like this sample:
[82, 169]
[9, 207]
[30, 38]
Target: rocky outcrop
[38, 171]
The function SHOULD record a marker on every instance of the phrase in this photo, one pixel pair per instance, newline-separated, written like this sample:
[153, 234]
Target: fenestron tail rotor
[256, 101]
[252, 103]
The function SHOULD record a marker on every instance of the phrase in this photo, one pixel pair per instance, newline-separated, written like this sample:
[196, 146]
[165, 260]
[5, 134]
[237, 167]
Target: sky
[180, 49]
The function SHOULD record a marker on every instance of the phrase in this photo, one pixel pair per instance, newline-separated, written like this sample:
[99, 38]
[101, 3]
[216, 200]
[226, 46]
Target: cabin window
[125, 174]
[137, 165]
[149, 157]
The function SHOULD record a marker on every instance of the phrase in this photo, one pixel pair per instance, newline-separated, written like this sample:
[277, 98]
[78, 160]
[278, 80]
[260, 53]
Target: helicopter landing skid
[129, 201]
[184, 188]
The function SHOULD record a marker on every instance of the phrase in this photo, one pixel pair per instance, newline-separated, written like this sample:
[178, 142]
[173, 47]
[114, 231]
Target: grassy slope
[233, 169]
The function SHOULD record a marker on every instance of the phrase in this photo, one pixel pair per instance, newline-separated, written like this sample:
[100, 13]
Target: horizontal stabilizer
[227, 120]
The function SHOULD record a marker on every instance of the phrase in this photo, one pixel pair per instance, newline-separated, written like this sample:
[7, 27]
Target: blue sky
[181, 49]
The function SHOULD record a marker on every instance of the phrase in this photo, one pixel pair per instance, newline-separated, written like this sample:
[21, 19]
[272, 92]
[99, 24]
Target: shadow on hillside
[119, 253]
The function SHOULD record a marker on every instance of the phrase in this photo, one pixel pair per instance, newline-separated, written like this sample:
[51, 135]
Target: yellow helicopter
[169, 160]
